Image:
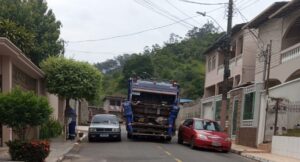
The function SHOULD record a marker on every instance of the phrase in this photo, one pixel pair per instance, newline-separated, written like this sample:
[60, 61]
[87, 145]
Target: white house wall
[53, 101]
[289, 91]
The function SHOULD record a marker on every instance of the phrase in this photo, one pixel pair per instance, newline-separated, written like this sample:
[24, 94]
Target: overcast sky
[99, 19]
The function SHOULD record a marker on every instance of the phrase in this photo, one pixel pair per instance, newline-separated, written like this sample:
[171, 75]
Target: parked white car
[104, 126]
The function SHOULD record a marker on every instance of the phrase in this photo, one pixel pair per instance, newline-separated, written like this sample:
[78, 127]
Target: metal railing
[290, 53]
[232, 63]
[247, 123]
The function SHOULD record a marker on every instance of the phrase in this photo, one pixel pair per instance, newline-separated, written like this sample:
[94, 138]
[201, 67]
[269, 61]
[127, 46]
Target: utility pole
[226, 64]
[267, 66]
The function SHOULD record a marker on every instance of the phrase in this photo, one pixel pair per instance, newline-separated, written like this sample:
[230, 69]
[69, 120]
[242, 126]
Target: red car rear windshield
[207, 125]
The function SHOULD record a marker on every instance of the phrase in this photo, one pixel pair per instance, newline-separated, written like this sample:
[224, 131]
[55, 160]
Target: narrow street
[146, 150]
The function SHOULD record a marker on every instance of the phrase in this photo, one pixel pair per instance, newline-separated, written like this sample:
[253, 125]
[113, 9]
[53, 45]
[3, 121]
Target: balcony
[233, 63]
[290, 53]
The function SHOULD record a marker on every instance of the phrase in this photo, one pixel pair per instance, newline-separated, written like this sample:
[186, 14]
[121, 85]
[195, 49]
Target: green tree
[32, 27]
[140, 65]
[179, 59]
[21, 110]
[71, 79]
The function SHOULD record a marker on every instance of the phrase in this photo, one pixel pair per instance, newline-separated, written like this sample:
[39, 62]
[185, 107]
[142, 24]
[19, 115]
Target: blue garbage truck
[151, 109]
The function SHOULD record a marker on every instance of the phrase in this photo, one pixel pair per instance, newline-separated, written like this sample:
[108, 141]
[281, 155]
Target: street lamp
[204, 14]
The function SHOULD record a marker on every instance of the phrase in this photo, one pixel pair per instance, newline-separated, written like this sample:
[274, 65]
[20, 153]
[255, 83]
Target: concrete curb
[256, 158]
[236, 151]
[75, 147]
[259, 159]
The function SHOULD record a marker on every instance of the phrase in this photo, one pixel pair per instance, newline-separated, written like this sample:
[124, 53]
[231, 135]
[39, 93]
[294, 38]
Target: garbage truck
[151, 109]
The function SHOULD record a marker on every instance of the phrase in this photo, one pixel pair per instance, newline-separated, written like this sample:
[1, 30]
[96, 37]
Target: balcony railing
[220, 69]
[290, 53]
[232, 63]
[247, 123]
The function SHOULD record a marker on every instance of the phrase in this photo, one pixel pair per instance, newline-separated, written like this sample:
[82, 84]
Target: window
[199, 125]
[206, 125]
[241, 45]
[210, 126]
[249, 106]
[188, 122]
[114, 102]
[209, 64]
[213, 63]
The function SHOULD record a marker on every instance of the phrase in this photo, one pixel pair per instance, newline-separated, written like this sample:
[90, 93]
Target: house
[113, 105]
[275, 36]
[17, 70]
[240, 114]
[279, 30]
[242, 66]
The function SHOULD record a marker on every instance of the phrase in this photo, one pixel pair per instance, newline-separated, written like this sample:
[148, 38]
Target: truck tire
[168, 139]
[129, 136]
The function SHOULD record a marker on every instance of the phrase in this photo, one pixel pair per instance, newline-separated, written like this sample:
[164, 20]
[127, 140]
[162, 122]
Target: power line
[150, 6]
[181, 11]
[163, 10]
[201, 3]
[213, 10]
[204, 14]
[249, 5]
[158, 12]
[259, 42]
[95, 52]
[132, 34]
[242, 4]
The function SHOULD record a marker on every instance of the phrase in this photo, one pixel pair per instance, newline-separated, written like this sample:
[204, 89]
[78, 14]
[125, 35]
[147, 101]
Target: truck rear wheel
[129, 135]
[168, 139]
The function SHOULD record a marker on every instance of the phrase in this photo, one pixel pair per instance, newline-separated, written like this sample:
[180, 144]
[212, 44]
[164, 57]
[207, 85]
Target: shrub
[50, 129]
[20, 110]
[33, 151]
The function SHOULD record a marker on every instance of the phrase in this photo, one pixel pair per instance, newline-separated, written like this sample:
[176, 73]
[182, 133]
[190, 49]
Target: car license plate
[216, 144]
[103, 135]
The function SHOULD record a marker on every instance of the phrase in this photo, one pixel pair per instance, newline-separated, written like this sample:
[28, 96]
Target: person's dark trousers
[72, 133]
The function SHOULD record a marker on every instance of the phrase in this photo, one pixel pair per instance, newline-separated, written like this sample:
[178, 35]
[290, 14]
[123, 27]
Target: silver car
[104, 126]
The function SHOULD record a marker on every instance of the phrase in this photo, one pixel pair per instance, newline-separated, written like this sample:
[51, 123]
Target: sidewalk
[260, 155]
[58, 147]
[4, 156]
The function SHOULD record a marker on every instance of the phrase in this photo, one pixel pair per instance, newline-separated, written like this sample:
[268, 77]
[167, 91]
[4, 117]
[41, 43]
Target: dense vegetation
[179, 59]
[32, 27]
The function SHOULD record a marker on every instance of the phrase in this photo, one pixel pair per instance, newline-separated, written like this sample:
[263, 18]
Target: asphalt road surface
[144, 150]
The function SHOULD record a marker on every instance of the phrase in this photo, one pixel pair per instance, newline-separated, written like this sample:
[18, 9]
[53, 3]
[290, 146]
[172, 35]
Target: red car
[202, 133]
